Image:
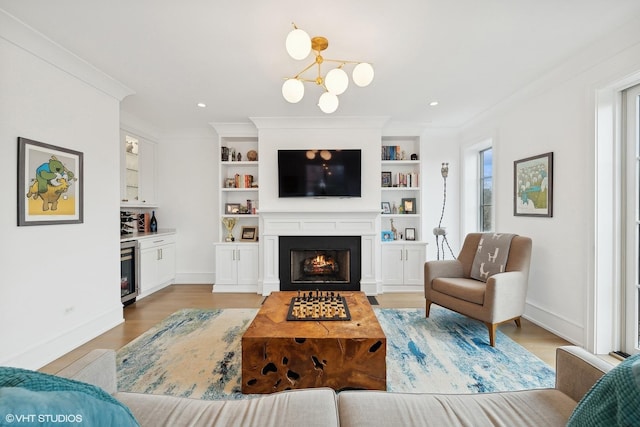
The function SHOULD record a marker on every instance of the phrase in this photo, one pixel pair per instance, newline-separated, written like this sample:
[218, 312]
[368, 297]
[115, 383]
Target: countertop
[137, 235]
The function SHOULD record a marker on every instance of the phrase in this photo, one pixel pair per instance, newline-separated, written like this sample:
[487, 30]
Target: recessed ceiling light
[202, 105]
[433, 103]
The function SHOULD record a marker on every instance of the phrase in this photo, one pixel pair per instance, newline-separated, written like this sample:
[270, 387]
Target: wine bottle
[154, 222]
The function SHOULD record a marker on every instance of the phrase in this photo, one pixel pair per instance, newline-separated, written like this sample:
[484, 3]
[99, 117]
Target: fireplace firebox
[325, 263]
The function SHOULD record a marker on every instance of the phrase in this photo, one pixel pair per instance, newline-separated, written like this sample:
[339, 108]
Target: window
[486, 190]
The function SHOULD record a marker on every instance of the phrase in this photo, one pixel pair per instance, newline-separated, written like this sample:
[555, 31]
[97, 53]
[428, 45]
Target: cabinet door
[392, 264]
[414, 258]
[226, 266]
[148, 269]
[167, 263]
[247, 259]
[147, 173]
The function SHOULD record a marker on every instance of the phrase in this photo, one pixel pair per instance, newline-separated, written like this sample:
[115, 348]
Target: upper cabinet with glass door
[138, 170]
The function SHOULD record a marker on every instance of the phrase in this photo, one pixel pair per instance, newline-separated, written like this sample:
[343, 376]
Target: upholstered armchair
[448, 283]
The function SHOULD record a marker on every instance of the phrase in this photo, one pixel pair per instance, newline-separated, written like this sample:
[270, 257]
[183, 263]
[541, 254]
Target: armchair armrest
[577, 371]
[444, 268]
[98, 367]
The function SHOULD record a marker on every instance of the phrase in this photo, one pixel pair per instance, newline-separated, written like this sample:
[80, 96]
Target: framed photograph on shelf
[410, 234]
[386, 235]
[229, 183]
[249, 233]
[50, 184]
[386, 179]
[533, 186]
[232, 208]
[409, 205]
[386, 208]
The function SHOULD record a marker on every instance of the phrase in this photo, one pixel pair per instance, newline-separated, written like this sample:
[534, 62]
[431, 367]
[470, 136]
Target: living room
[51, 95]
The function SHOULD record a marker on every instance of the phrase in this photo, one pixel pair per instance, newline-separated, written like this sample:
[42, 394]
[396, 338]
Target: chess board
[318, 306]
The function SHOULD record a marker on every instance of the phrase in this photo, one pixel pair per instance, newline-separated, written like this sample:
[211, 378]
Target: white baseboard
[558, 325]
[42, 353]
[195, 278]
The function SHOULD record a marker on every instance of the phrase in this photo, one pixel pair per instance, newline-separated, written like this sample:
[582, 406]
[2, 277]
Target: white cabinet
[138, 171]
[403, 265]
[236, 267]
[157, 263]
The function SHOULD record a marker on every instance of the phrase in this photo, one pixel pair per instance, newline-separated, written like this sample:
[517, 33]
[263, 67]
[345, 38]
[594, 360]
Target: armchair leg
[518, 323]
[427, 308]
[492, 333]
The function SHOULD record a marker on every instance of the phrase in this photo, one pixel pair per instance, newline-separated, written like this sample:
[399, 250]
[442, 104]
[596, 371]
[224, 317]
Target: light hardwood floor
[147, 312]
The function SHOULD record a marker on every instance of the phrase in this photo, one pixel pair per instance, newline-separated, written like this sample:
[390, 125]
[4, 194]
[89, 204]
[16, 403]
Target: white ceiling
[468, 54]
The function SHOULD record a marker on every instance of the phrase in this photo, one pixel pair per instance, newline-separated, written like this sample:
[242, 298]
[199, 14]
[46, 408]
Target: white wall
[557, 113]
[59, 285]
[188, 200]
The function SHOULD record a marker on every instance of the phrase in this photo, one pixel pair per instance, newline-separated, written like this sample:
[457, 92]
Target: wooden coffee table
[278, 354]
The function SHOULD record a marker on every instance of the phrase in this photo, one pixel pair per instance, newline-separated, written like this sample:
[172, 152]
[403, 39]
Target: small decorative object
[386, 208]
[239, 157]
[386, 179]
[533, 186]
[249, 234]
[410, 233]
[440, 230]
[233, 154]
[394, 209]
[394, 230]
[50, 184]
[153, 222]
[414, 156]
[229, 223]
[224, 154]
[409, 205]
[252, 155]
[387, 236]
[232, 208]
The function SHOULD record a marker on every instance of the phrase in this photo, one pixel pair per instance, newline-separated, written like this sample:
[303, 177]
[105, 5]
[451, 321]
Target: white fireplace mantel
[274, 224]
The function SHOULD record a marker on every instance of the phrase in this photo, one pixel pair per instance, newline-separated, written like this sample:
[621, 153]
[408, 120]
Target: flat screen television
[319, 173]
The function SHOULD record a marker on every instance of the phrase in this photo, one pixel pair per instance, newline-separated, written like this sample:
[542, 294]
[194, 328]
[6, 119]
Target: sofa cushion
[547, 407]
[613, 400]
[307, 407]
[465, 289]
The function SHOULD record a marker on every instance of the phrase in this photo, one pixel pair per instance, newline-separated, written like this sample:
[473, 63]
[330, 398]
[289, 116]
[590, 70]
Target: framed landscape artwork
[533, 186]
[50, 184]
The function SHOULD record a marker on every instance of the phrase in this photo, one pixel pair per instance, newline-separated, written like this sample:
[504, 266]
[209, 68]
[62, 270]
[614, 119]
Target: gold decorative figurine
[229, 223]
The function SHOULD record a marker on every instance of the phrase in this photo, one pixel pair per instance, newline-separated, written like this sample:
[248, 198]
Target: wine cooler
[129, 274]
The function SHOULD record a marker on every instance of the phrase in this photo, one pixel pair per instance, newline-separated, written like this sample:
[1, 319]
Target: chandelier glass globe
[293, 90]
[298, 44]
[328, 102]
[363, 74]
[336, 81]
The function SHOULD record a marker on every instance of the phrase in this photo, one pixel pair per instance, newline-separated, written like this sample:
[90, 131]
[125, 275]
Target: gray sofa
[577, 370]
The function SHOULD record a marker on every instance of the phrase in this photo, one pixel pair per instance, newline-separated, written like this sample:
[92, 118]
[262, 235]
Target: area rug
[197, 353]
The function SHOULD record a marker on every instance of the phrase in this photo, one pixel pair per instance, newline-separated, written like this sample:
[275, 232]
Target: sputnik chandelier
[336, 81]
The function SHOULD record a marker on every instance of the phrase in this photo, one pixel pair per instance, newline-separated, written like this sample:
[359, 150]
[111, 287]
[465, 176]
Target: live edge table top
[280, 354]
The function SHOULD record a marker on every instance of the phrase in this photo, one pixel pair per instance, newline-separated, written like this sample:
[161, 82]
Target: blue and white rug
[450, 353]
[197, 353]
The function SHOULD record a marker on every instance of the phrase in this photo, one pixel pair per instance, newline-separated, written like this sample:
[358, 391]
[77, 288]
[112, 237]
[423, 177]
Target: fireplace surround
[325, 263]
[362, 224]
